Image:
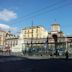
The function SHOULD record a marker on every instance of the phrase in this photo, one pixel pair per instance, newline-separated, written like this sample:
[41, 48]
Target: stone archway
[55, 37]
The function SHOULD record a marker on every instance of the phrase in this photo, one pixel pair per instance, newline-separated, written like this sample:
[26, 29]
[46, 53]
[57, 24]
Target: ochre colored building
[35, 32]
[2, 37]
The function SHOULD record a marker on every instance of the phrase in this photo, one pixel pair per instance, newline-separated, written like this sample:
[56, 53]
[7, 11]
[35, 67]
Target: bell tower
[55, 28]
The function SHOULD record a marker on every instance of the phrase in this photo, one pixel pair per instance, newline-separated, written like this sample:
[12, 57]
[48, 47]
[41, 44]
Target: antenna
[32, 22]
[32, 28]
[55, 20]
[32, 35]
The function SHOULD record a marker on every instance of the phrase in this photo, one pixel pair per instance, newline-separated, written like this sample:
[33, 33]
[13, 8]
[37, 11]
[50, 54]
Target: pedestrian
[67, 55]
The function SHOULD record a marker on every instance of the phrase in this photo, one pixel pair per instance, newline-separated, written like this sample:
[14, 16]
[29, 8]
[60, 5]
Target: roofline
[55, 24]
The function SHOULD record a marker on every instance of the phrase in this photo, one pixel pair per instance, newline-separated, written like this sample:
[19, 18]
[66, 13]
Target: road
[20, 64]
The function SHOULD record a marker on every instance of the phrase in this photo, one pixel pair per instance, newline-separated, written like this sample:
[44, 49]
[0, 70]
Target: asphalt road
[18, 64]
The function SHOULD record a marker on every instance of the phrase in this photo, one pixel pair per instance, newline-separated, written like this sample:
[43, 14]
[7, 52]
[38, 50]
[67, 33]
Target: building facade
[56, 36]
[37, 37]
[11, 40]
[34, 35]
[2, 37]
[55, 27]
[35, 32]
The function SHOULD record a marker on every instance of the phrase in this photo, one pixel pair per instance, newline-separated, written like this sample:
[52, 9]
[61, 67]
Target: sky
[18, 14]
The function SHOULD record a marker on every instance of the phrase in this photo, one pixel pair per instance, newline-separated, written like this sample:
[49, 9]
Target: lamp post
[66, 53]
[47, 44]
[66, 44]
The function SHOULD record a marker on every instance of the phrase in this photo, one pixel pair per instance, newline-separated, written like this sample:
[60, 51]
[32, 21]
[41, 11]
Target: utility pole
[36, 35]
[47, 42]
[66, 53]
[32, 35]
[66, 45]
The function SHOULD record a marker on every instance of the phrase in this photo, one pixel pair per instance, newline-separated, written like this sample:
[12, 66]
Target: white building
[20, 46]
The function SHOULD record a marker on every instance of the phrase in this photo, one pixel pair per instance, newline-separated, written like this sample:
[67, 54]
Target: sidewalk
[19, 54]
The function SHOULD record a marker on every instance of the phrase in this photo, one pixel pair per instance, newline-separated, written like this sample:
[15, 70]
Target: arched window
[6, 34]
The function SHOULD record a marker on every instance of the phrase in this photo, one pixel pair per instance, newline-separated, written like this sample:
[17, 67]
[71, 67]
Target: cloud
[7, 15]
[7, 27]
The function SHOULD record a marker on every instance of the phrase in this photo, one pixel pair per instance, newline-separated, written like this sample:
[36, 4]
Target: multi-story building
[35, 32]
[11, 39]
[56, 31]
[55, 27]
[7, 40]
[36, 36]
[56, 34]
[2, 37]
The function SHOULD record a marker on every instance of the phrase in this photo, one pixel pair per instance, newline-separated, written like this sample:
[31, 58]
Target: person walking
[67, 55]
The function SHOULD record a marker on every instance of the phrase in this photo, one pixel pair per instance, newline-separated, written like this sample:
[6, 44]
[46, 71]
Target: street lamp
[46, 43]
[66, 53]
[66, 44]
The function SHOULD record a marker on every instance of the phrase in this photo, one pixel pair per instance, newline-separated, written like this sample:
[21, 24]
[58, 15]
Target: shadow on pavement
[28, 65]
